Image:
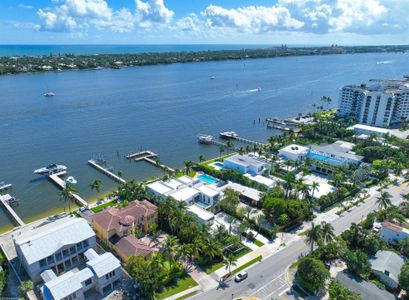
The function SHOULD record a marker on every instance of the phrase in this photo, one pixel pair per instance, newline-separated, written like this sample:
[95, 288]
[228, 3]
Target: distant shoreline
[62, 62]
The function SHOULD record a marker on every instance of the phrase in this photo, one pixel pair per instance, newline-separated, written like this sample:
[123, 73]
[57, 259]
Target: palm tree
[221, 150]
[229, 261]
[211, 248]
[66, 194]
[248, 211]
[230, 220]
[288, 183]
[384, 200]
[327, 232]
[314, 187]
[96, 185]
[188, 166]
[201, 158]
[314, 235]
[171, 246]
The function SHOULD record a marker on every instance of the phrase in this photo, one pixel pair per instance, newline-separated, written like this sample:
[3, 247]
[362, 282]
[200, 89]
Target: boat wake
[384, 62]
[253, 90]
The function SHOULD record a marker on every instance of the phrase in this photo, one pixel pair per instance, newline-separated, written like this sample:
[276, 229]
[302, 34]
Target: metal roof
[104, 264]
[43, 241]
[387, 261]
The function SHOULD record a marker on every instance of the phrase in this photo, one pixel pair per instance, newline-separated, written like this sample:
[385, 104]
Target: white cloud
[152, 12]
[256, 19]
[25, 6]
[189, 23]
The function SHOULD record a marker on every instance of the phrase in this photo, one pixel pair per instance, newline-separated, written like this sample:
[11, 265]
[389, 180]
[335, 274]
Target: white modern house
[202, 216]
[362, 129]
[378, 103]
[293, 152]
[187, 194]
[247, 164]
[58, 246]
[102, 275]
[393, 233]
[247, 194]
[208, 195]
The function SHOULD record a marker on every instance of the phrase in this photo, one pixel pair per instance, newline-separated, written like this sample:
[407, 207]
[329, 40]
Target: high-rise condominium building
[378, 103]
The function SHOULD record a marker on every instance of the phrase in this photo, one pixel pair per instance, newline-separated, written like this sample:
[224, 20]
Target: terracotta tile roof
[130, 245]
[392, 226]
[121, 219]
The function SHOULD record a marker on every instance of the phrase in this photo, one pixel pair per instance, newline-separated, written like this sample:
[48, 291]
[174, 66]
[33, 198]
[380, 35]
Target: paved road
[267, 279]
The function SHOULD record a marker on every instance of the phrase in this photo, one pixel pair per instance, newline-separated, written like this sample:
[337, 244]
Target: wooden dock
[234, 136]
[155, 163]
[106, 172]
[5, 201]
[61, 184]
[141, 154]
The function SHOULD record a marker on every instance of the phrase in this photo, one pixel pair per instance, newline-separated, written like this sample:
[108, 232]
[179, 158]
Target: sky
[302, 22]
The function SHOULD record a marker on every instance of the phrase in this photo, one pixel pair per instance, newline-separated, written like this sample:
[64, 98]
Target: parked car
[241, 276]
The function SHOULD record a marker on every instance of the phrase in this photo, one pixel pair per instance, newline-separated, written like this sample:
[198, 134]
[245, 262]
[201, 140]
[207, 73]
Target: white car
[241, 276]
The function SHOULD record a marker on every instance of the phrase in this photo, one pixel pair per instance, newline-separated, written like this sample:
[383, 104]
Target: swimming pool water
[207, 178]
[219, 164]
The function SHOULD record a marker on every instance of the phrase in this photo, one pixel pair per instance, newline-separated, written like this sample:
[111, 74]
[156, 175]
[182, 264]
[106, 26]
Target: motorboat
[49, 94]
[51, 169]
[71, 180]
[228, 135]
[212, 77]
[205, 138]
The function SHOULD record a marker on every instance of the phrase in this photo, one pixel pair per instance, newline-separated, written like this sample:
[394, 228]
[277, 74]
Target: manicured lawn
[183, 283]
[208, 268]
[258, 243]
[251, 262]
[101, 207]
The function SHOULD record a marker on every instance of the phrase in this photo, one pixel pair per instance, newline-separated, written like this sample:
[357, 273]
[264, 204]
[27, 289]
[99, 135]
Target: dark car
[241, 276]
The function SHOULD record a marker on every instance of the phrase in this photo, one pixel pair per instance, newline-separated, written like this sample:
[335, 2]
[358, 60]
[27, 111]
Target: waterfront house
[57, 245]
[202, 216]
[337, 154]
[393, 233]
[187, 194]
[101, 276]
[386, 265]
[249, 195]
[361, 129]
[246, 164]
[208, 195]
[293, 152]
[117, 227]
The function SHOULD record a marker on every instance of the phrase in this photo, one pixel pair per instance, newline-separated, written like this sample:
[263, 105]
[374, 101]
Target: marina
[97, 166]
[61, 184]
[7, 201]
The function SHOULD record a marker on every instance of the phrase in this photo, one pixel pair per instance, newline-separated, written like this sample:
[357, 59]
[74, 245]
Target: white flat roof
[295, 149]
[159, 187]
[45, 240]
[244, 190]
[370, 128]
[184, 194]
[173, 183]
[262, 179]
[201, 213]
[185, 179]
[208, 191]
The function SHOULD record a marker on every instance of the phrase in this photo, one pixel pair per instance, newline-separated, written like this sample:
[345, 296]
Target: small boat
[12, 201]
[49, 94]
[205, 139]
[228, 134]
[259, 89]
[4, 186]
[71, 180]
[51, 169]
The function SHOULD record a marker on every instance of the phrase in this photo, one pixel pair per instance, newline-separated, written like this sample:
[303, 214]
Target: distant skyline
[344, 22]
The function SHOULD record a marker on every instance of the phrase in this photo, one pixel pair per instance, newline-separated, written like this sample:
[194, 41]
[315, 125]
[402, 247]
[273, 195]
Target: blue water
[207, 178]
[219, 164]
[163, 108]
[36, 50]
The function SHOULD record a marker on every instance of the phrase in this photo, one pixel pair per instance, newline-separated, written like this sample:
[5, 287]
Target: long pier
[234, 136]
[5, 201]
[105, 171]
[4, 186]
[141, 154]
[155, 163]
[148, 156]
[61, 184]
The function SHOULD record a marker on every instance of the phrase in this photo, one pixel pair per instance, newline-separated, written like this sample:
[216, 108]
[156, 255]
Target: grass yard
[251, 262]
[183, 283]
[258, 243]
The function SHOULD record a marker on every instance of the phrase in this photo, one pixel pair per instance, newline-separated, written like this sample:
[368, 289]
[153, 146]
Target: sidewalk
[184, 293]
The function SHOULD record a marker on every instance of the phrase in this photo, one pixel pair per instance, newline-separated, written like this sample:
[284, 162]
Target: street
[267, 280]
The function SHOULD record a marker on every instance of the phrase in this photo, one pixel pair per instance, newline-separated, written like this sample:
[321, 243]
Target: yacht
[205, 139]
[71, 180]
[49, 94]
[51, 169]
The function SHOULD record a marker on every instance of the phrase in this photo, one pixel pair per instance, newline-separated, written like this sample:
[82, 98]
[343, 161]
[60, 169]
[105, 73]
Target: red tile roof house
[117, 227]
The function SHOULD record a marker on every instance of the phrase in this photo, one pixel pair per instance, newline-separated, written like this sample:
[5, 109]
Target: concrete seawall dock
[94, 164]
[61, 184]
[4, 199]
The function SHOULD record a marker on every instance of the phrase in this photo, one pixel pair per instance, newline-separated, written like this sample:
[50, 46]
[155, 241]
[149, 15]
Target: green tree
[25, 287]
[404, 278]
[229, 261]
[66, 194]
[338, 292]
[314, 187]
[313, 235]
[357, 262]
[201, 158]
[384, 200]
[312, 274]
[327, 232]
[96, 185]
[404, 246]
[188, 166]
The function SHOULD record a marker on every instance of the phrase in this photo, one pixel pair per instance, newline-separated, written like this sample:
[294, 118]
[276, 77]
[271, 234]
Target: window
[58, 256]
[73, 250]
[85, 244]
[65, 253]
[75, 260]
[50, 260]
[79, 246]
[88, 282]
[43, 263]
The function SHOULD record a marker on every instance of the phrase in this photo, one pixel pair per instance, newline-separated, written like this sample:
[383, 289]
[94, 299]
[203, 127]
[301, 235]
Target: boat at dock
[49, 94]
[4, 186]
[205, 138]
[71, 180]
[50, 169]
[228, 135]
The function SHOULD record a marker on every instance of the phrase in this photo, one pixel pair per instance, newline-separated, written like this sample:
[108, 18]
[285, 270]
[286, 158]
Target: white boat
[228, 134]
[205, 138]
[49, 94]
[51, 169]
[71, 180]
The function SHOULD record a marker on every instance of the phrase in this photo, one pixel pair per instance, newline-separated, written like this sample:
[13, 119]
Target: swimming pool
[207, 178]
[219, 164]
